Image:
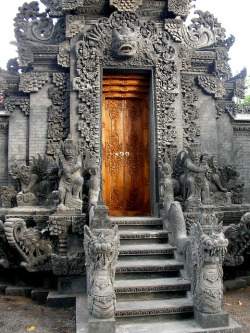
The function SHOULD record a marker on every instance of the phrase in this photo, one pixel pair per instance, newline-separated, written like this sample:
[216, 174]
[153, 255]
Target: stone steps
[148, 279]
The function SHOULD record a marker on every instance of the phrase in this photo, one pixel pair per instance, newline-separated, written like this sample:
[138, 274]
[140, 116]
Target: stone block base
[207, 320]
[101, 325]
[39, 294]
[71, 284]
[18, 291]
[60, 301]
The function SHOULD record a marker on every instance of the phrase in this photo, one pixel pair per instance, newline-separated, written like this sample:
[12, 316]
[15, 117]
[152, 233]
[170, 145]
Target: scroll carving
[32, 26]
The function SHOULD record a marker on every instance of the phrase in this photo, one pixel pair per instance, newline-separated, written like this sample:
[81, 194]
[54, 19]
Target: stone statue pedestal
[211, 320]
[101, 325]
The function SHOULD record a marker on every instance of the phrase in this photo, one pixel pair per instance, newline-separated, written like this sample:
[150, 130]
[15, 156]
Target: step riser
[146, 227]
[147, 275]
[140, 241]
[150, 295]
[153, 312]
[147, 256]
[154, 319]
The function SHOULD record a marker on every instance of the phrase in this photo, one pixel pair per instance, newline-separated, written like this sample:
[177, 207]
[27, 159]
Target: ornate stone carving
[32, 82]
[29, 243]
[71, 181]
[190, 117]
[185, 59]
[74, 24]
[180, 7]
[202, 180]
[126, 5]
[68, 265]
[96, 49]
[38, 181]
[204, 31]
[32, 26]
[174, 28]
[8, 196]
[58, 112]
[212, 85]
[11, 103]
[25, 54]
[54, 7]
[209, 247]
[203, 253]
[20, 171]
[63, 57]
[94, 185]
[101, 249]
[222, 68]
[13, 66]
[194, 183]
[232, 108]
[166, 185]
[239, 241]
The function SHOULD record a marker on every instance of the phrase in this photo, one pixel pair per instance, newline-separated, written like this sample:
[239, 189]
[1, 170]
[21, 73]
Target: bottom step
[153, 307]
[176, 326]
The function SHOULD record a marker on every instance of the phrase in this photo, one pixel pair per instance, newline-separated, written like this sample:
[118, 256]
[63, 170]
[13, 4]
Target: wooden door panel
[126, 180]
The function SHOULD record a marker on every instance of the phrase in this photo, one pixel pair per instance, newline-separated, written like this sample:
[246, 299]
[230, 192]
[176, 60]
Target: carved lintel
[11, 103]
[33, 82]
[74, 24]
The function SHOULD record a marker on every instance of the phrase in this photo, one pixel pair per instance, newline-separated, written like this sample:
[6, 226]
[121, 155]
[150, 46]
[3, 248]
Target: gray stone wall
[208, 130]
[18, 135]
[38, 126]
[225, 140]
[242, 161]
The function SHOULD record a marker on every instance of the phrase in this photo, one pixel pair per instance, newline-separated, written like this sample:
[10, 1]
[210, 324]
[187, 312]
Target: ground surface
[20, 314]
[237, 304]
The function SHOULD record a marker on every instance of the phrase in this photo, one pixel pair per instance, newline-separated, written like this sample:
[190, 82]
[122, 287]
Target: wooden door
[125, 145]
